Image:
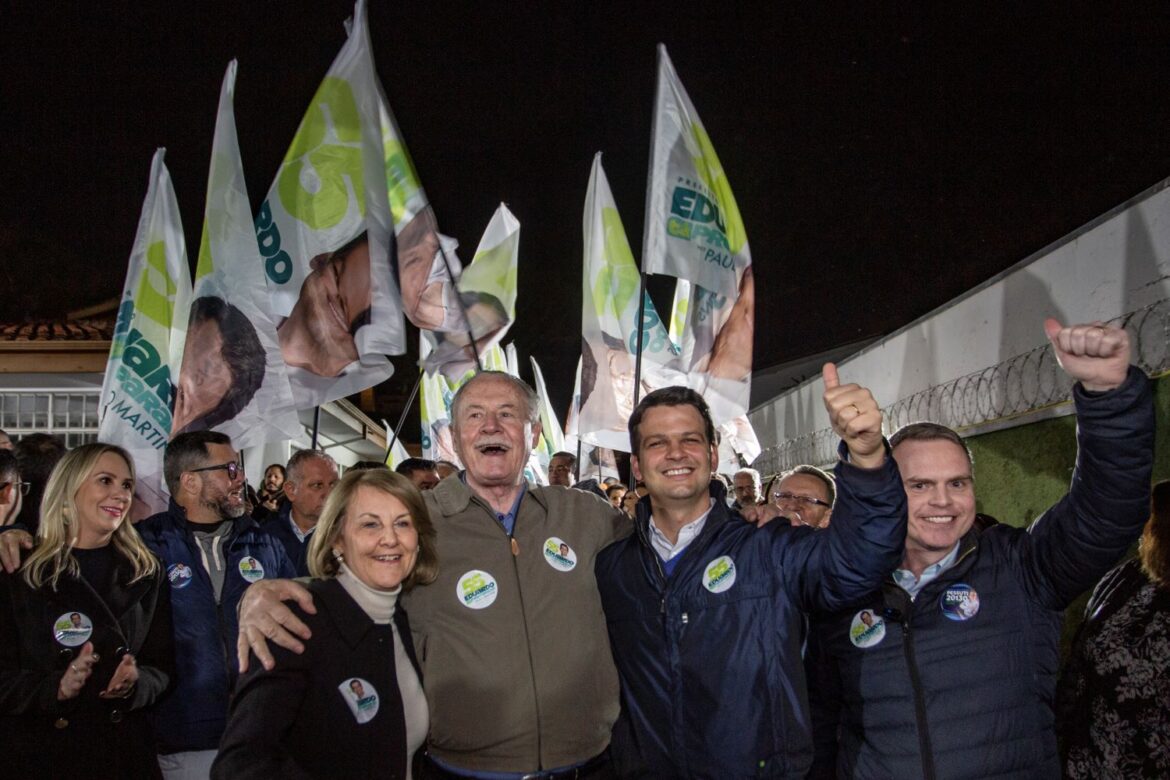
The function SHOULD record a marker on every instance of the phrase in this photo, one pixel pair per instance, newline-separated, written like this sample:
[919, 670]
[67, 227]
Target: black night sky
[885, 157]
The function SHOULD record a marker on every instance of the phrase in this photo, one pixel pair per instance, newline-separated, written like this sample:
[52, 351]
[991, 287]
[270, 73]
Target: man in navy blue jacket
[948, 669]
[212, 550]
[309, 479]
[706, 612]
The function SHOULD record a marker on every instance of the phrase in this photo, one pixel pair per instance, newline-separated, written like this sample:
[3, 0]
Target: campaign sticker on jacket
[476, 589]
[180, 575]
[251, 569]
[719, 574]
[959, 602]
[559, 555]
[867, 629]
[73, 629]
[360, 697]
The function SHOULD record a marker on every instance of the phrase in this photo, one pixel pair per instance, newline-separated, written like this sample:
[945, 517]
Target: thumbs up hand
[855, 417]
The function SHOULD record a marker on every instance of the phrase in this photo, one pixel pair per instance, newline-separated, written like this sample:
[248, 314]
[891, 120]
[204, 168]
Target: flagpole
[577, 476]
[316, 427]
[458, 297]
[402, 417]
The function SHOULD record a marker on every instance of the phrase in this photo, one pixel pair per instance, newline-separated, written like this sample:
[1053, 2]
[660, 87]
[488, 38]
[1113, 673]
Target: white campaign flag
[551, 433]
[138, 390]
[609, 330]
[693, 226]
[233, 376]
[326, 237]
[487, 289]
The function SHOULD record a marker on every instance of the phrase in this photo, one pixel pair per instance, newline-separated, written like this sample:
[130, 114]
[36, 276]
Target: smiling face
[102, 501]
[378, 539]
[493, 432]
[675, 459]
[318, 334]
[799, 512]
[220, 496]
[940, 494]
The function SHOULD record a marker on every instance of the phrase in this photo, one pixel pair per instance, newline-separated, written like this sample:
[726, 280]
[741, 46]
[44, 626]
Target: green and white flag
[233, 376]
[609, 316]
[325, 233]
[693, 227]
[138, 390]
[487, 289]
[552, 436]
[397, 452]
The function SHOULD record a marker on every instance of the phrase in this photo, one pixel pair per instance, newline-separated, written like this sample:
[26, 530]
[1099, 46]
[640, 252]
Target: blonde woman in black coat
[352, 705]
[85, 631]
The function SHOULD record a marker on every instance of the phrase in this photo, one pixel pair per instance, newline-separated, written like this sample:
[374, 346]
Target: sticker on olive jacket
[559, 555]
[476, 589]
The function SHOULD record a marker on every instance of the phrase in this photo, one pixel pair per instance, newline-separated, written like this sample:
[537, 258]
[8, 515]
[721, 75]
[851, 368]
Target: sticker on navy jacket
[559, 555]
[360, 697]
[72, 629]
[959, 602]
[251, 569]
[867, 629]
[180, 575]
[719, 574]
[476, 589]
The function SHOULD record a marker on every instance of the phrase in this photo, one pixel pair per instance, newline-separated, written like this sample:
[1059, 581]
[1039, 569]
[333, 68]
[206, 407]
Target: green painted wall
[1022, 471]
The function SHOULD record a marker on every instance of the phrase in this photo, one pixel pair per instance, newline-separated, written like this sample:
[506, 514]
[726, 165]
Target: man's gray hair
[296, 464]
[526, 392]
[755, 475]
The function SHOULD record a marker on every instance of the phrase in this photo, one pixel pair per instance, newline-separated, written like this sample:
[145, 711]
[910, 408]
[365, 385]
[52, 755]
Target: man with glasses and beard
[212, 551]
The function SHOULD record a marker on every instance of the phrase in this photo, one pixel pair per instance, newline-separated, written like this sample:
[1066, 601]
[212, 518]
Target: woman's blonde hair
[1154, 549]
[322, 561]
[58, 529]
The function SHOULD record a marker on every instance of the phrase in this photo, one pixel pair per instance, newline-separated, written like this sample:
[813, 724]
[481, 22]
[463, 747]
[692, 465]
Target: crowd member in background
[37, 454]
[374, 540]
[368, 465]
[706, 613]
[310, 477]
[212, 550]
[560, 468]
[615, 494]
[805, 495]
[1113, 701]
[420, 471]
[5, 440]
[12, 490]
[630, 500]
[746, 486]
[957, 673]
[516, 661]
[271, 491]
[86, 631]
[445, 468]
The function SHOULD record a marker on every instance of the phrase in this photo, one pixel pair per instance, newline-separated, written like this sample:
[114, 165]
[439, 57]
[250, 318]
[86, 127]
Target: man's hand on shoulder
[856, 418]
[12, 542]
[1094, 354]
[264, 617]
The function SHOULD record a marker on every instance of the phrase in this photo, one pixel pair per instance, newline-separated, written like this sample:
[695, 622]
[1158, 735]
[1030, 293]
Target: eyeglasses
[24, 487]
[806, 500]
[233, 469]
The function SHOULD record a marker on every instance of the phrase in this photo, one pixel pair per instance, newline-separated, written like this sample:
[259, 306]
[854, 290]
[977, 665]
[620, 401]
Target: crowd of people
[433, 621]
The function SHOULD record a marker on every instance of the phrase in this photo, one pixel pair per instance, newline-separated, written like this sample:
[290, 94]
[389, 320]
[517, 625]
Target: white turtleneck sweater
[380, 606]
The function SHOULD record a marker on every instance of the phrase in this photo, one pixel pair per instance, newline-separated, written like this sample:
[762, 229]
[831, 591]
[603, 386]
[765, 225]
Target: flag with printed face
[487, 289]
[138, 390]
[609, 332]
[326, 237]
[233, 376]
[693, 227]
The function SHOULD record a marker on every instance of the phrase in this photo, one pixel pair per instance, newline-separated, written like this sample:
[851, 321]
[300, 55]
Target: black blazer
[85, 736]
[304, 718]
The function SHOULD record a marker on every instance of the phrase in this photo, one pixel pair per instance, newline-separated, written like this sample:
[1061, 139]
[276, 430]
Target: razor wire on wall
[1014, 388]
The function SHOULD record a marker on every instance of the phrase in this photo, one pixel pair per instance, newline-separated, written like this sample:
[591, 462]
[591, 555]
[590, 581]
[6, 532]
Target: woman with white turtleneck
[352, 704]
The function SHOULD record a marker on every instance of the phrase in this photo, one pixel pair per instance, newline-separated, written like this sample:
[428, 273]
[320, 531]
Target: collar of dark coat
[122, 591]
[176, 515]
[454, 496]
[351, 620]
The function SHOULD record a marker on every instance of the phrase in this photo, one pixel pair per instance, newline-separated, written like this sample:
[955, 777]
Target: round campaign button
[959, 602]
[180, 575]
[360, 697]
[867, 629]
[72, 629]
[476, 589]
[719, 574]
[559, 555]
[251, 569]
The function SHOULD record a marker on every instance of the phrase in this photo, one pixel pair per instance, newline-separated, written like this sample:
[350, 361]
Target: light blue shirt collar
[912, 585]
